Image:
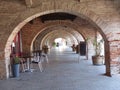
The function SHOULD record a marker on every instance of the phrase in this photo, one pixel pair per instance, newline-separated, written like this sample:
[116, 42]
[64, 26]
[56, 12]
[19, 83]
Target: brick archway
[80, 12]
[64, 35]
[53, 24]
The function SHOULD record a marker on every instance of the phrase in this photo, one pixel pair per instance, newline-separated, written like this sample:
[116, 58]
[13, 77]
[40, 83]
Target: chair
[23, 60]
[45, 57]
[23, 64]
[38, 59]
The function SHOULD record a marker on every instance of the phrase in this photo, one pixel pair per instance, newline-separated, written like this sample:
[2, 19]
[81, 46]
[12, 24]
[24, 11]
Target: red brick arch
[57, 36]
[58, 23]
[33, 13]
[55, 24]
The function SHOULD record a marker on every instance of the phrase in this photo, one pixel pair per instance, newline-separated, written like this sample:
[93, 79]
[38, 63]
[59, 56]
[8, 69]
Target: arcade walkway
[64, 73]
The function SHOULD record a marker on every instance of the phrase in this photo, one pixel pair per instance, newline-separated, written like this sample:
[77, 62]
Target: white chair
[38, 59]
[45, 57]
[23, 64]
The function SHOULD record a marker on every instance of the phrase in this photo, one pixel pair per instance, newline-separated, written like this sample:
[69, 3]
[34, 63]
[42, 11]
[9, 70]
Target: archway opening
[60, 42]
[71, 20]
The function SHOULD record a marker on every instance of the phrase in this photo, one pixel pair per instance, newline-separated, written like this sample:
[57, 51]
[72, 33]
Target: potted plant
[45, 49]
[73, 47]
[15, 65]
[98, 59]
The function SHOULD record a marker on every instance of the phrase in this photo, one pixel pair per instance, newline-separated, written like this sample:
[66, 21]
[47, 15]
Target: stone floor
[64, 73]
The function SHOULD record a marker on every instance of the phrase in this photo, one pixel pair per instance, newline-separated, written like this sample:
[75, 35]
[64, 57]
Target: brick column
[115, 56]
[2, 66]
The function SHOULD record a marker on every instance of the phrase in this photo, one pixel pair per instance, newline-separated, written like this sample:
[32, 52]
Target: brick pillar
[2, 70]
[115, 57]
[2, 66]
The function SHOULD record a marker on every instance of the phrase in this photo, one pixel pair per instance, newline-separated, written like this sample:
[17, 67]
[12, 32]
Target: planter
[45, 50]
[16, 70]
[73, 49]
[98, 60]
[77, 49]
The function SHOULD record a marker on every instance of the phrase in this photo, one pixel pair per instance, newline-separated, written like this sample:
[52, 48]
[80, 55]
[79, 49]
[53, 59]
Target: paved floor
[64, 73]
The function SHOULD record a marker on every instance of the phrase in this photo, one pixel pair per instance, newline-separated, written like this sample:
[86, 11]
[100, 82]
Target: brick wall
[103, 14]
